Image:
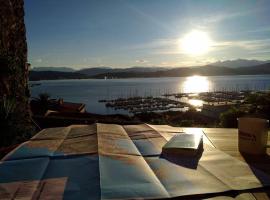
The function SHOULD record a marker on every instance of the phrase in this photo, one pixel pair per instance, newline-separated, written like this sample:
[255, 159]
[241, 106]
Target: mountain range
[239, 63]
[58, 69]
[237, 67]
[98, 70]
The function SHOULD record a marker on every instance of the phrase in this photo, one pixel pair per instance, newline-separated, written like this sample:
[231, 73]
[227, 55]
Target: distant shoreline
[90, 91]
[95, 73]
[92, 78]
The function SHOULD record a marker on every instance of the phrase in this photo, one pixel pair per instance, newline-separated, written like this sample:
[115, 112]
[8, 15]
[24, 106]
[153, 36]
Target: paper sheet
[108, 161]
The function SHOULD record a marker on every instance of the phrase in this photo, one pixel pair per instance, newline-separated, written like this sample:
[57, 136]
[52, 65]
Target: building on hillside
[59, 106]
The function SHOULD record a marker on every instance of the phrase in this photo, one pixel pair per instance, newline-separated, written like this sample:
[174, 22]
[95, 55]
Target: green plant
[228, 119]
[186, 123]
[44, 97]
[15, 124]
[7, 106]
[43, 102]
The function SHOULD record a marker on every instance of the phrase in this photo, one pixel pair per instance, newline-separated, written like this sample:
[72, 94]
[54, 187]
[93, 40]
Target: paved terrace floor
[103, 161]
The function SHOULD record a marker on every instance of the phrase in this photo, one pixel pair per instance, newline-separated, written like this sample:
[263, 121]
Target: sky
[125, 33]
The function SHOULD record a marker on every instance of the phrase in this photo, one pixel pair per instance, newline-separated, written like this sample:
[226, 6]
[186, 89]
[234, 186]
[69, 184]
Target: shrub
[228, 119]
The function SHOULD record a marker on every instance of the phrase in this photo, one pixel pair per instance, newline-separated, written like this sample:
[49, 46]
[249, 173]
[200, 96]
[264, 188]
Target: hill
[54, 75]
[207, 70]
[239, 63]
[103, 70]
[258, 69]
[58, 69]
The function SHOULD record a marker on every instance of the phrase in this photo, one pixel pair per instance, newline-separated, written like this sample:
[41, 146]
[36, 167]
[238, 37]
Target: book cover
[185, 144]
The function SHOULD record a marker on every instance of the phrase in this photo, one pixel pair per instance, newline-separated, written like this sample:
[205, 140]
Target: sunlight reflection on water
[195, 102]
[196, 84]
[90, 91]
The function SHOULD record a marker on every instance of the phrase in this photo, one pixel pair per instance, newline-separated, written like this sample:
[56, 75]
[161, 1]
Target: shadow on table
[188, 161]
[260, 165]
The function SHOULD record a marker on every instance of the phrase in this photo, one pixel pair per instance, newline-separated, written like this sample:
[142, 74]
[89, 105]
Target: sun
[195, 43]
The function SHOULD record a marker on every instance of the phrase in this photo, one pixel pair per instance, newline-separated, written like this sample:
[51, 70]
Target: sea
[90, 91]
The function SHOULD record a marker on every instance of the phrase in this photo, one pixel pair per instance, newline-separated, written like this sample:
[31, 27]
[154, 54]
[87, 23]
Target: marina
[176, 101]
[146, 104]
[185, 91]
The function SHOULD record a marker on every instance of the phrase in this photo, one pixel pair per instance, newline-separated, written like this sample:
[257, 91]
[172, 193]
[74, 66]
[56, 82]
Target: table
[226, 140]
[97, 161]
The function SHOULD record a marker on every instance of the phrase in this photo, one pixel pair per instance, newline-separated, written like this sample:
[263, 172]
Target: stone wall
[13, 62]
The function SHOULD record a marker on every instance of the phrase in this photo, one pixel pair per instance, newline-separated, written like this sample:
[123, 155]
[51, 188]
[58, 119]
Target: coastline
[163, 77]
[90, 91]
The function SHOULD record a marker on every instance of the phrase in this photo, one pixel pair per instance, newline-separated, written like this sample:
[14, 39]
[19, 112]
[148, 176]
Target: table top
[56, 162]
[226, 140]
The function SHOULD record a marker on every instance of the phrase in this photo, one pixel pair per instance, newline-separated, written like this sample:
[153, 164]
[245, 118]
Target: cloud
[252, 49]
[216, 18]
[259, 30]
[154, 44]
[141, 61]
[148, 17]
[243, 44]
[171, 47]
[162, 46]
[39, 60]
[170, 64]
[224, 16]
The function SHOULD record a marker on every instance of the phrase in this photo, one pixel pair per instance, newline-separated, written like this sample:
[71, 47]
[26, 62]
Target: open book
[184, 144]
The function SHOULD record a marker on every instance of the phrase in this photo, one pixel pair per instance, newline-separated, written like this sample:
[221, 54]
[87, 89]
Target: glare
[196, 84]
[196, 102]
[195, 43]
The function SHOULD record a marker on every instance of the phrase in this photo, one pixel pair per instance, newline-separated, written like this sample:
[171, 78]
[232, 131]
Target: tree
[41, 104]
[228, 119]
[15, 125]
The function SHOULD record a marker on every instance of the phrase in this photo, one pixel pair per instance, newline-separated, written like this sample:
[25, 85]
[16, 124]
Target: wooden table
[23, 173]
[226, 140]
